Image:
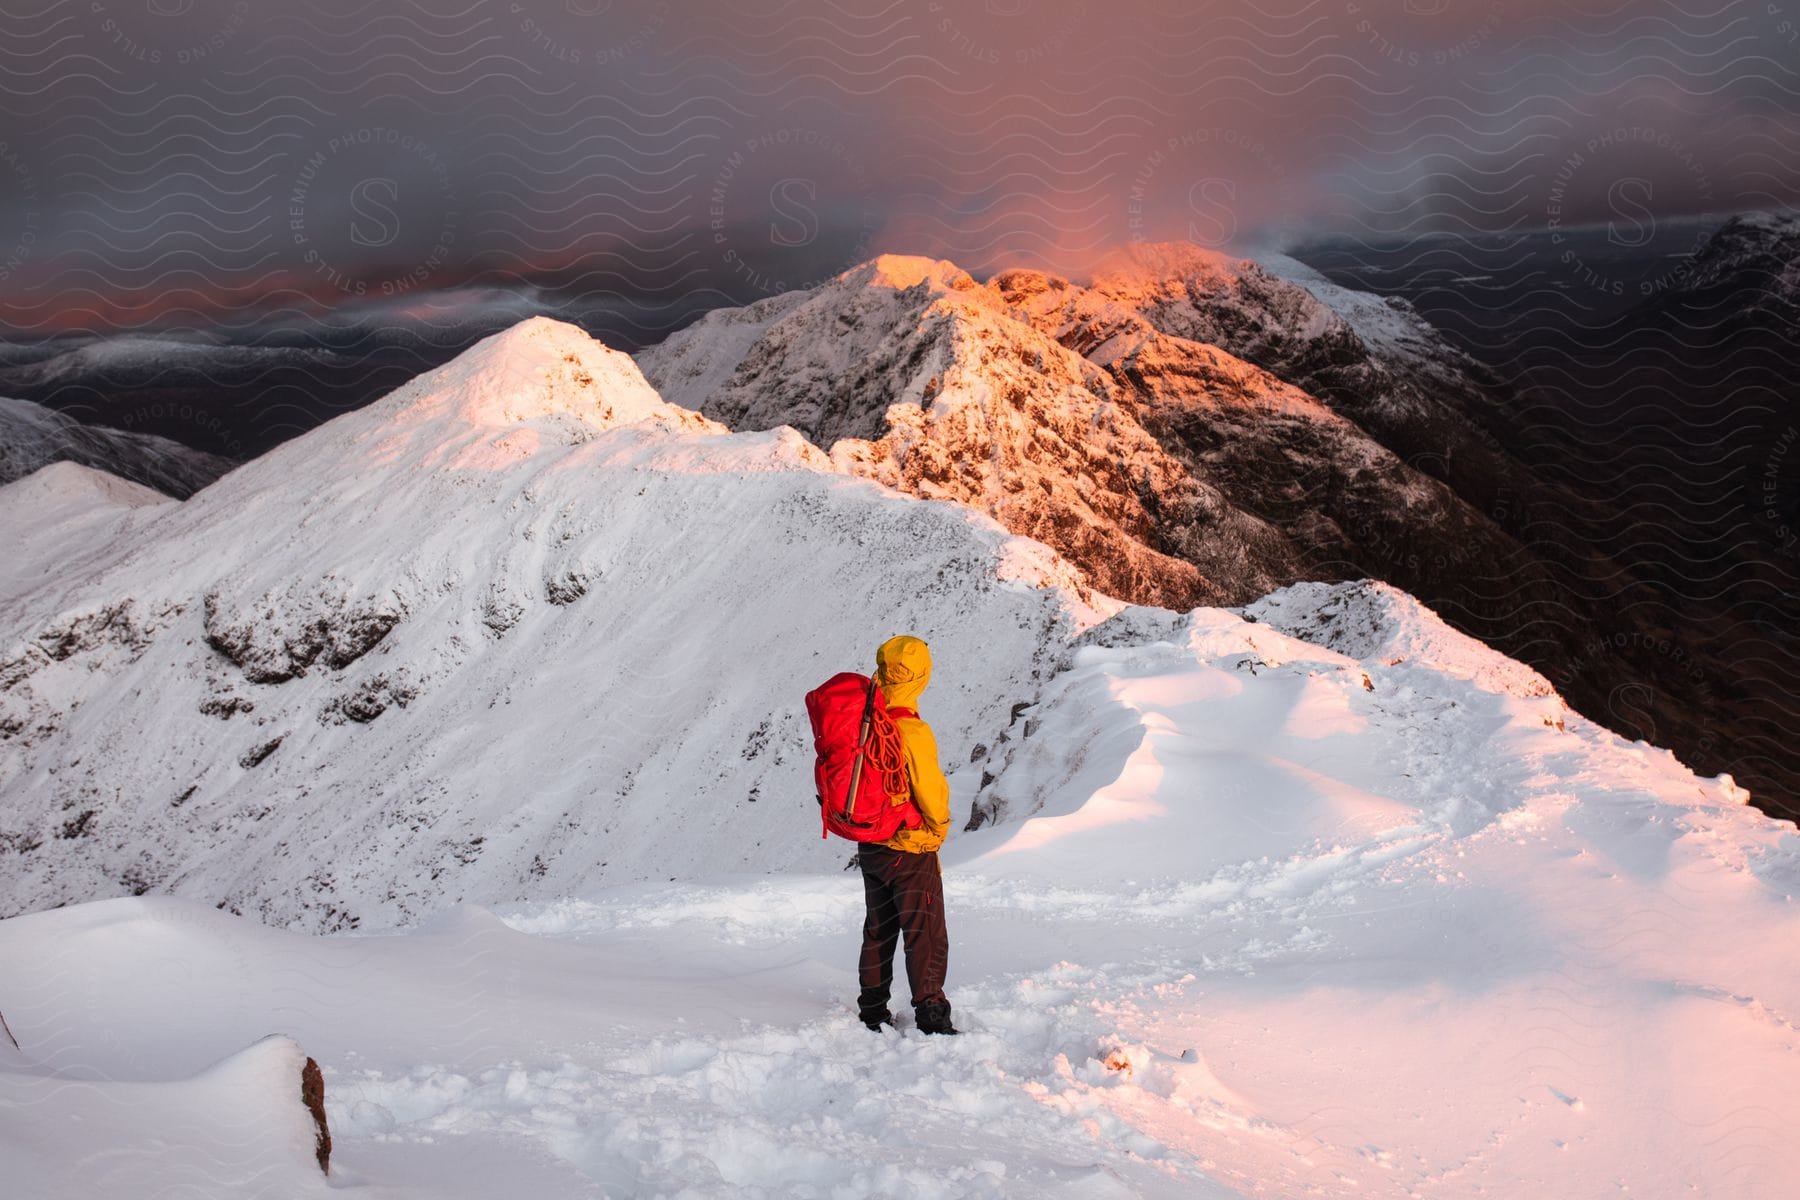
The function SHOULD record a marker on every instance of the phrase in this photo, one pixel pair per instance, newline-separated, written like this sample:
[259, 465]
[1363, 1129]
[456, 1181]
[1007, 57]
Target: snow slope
[62, 516]
[1370, 914]
[236, 1128]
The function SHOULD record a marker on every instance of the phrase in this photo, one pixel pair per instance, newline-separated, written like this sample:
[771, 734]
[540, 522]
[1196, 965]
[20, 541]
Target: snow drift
[1316, 898]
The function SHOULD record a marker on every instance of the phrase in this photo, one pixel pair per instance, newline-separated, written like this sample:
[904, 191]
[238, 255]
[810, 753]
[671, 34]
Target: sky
[202, 163]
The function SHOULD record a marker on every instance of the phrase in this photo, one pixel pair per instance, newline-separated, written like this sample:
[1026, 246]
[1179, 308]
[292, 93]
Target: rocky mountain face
[32, 436]
[1373, 359]
[914, 375]
[1752, 262]
[1173, 471]
[1680, 418]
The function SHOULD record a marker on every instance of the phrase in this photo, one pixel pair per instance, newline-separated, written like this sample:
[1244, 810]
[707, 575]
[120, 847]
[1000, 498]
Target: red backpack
[861, 765]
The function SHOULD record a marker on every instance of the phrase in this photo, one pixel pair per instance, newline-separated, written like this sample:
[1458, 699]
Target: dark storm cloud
[187, 161]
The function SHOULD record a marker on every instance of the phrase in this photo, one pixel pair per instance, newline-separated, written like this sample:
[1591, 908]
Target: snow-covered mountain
[1372, 358]
[165, 361]
[1375, 355]
[285, 694]
[1314, 895]
[1752, 262]
[32, 436]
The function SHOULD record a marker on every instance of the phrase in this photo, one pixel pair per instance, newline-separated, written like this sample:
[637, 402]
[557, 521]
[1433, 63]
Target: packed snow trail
[1370, 914]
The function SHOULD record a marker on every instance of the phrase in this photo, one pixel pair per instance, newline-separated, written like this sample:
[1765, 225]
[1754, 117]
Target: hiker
[901, 881]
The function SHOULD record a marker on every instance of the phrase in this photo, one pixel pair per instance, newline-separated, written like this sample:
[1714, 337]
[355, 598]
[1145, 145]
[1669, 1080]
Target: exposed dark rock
[226, 706]
[283, 636]
[370, 699]
[114, 624]
[500, 613]
[312, 1095]
[566, 587]
[257, 754]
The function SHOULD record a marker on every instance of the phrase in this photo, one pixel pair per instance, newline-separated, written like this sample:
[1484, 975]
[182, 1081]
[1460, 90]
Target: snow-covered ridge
[32, 436]
[1376, 622]
[63, 515]
[1373, 356]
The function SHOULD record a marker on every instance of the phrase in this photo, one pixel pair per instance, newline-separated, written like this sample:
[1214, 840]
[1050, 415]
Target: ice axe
[862, 748]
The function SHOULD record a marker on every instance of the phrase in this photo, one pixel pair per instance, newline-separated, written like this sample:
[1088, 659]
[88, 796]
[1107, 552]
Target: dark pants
[906, 896]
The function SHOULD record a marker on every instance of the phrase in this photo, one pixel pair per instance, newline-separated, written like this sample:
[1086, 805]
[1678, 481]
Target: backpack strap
[904, 712]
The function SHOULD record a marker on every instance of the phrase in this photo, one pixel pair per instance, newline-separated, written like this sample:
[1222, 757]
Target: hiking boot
[875, 1020]
[934, 1018]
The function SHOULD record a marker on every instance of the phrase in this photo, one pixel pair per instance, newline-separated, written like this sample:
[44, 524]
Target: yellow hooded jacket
[903, 667]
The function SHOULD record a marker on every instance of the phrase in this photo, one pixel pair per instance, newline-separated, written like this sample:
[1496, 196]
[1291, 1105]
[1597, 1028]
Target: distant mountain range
[32, 436]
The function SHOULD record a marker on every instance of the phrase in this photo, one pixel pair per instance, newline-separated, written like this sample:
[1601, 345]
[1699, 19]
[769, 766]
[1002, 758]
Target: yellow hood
[903, 667]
